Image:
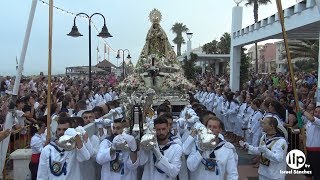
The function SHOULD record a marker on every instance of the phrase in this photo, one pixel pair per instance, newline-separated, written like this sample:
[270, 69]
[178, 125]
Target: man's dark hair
[98, 109]
[114, 104]
[273, 122]
[82, 105]
[26, 98]
[203, 114]
[256, 102]
[65, 120]
[77, 121]
[281, 111]
[160, 120]
[119, 120]
[163, 108]
[198, 108]
[86, 112]
[221, 124]
[65, 103]
[167, 115]
[63, 115]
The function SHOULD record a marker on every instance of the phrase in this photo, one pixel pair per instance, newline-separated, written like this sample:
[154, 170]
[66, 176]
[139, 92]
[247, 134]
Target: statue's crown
[155, 16]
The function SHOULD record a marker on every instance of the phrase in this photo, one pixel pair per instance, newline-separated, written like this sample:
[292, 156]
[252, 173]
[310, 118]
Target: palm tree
[178, 29]
[255, 4]
[211, 47]
[307, 49]
[224, 44]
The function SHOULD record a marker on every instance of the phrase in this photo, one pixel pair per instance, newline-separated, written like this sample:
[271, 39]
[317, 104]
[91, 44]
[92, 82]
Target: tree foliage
[307, 66]
[224, 43]
[211, 47]
[178, 29]
[189, 66]
[245, 64]
[255, 4]
[221, 47]
[308, 49]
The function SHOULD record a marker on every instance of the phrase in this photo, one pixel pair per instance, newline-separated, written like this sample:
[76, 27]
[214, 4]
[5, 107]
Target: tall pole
[108, 54]
[10, 116]
[49, 70]
[90, 78]
[98, 53]
[24, 50]
[256, 56]
[318, 85]
[123, 65]
[285, 39]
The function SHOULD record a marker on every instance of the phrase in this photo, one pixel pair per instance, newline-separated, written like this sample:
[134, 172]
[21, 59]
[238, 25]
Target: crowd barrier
[19, 139]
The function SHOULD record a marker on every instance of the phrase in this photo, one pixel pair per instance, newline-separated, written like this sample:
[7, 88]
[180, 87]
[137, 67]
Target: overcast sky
[127, 21]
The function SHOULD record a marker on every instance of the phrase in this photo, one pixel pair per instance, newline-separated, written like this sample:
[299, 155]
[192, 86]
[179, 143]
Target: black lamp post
[128, 57]
[104, 34]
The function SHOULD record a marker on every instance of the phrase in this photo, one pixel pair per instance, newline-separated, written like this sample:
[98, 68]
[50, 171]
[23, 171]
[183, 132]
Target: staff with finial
[285, 39]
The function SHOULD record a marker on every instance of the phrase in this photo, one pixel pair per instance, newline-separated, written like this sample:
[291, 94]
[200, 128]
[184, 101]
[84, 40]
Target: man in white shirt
[214, 164]
[209, 100]
[118, 163]
[175, 137]
[163, 162]
[313, 141]
[108, 95]
[90, 169]
[272, 150]
[58, 164]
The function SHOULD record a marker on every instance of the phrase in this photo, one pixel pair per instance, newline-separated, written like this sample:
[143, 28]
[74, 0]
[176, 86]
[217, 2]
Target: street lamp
[128, 57]
[189, 36]
[237, 2]
[75, 33]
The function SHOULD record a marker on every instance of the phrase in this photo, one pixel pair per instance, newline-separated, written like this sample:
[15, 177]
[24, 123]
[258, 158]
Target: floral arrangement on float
[176, 81]
[132, 83]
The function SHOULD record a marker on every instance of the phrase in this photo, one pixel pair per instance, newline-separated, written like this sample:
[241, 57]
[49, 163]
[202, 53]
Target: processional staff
[285, 39]
[49, 70]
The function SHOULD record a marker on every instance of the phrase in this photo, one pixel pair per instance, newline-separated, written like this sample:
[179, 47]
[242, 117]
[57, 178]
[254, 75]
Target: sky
[127, 21]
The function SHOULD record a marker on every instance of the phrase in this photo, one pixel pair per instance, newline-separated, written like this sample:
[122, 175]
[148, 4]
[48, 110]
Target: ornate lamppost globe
[237, 2]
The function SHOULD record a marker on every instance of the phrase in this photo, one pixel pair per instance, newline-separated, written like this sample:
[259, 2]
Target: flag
[105, 48]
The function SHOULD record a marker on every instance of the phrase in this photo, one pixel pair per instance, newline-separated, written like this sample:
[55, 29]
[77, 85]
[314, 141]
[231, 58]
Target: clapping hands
[244, 144]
